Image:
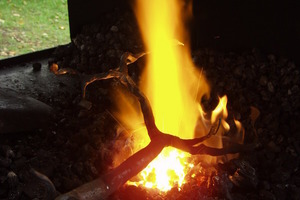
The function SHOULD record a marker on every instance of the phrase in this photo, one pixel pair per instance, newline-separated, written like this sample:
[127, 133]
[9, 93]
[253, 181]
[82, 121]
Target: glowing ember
[174, 88]
[167, 170]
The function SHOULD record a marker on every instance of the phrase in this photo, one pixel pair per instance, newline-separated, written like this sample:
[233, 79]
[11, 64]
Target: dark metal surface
[20, 88]
[16, 60]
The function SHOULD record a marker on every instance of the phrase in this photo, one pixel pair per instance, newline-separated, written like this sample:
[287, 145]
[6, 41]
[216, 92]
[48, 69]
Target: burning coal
[112, 180]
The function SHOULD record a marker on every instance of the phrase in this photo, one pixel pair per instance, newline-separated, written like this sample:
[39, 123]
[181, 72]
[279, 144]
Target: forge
[156, 100]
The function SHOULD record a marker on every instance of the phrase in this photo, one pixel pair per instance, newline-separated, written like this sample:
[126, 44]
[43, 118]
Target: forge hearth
[79, 144]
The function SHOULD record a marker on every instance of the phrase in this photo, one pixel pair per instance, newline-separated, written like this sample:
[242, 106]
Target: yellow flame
[174, 88]
[164, 82]
[220, 110]
[171, 84]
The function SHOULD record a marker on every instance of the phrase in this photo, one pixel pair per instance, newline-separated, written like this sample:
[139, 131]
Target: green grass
[31, 25]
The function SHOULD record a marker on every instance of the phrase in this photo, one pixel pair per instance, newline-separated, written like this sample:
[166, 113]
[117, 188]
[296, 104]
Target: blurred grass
[31, 25]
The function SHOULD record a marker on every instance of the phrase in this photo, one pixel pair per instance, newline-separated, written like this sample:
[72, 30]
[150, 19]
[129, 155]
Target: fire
[169, 87]
[174, 88]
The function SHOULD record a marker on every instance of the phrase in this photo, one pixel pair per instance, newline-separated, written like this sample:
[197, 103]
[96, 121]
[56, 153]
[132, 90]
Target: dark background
[269, 25]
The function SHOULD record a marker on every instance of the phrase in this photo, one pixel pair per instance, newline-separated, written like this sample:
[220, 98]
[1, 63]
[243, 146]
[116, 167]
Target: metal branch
[104, 186]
